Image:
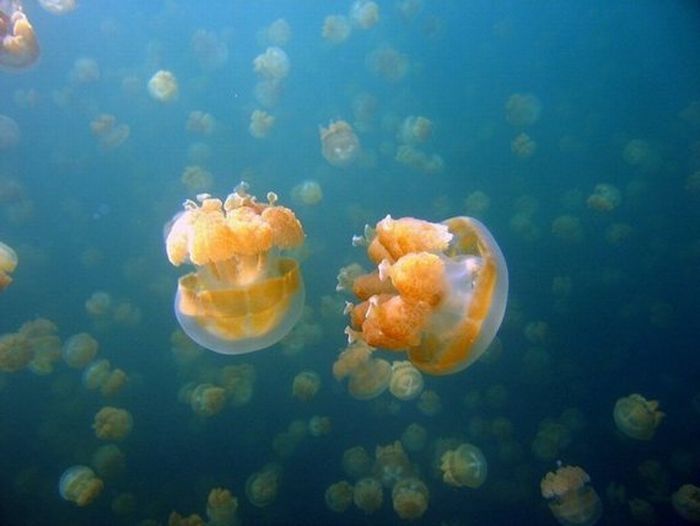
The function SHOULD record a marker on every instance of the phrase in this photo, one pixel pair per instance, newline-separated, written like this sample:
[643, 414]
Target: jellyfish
[307, 193]
[356, 462]
[406, 381]
[261, 123]
[163, 86]
[523, 109]
[210, 49]
[207, 399]
[336, 29]
[123, 504]
[200, 122]
[409, 497]
[388, 63]
[368, 495]
[80, 485]
[414, 437]
[418, 160]
[238, 381]
[114, 383]
[18, 44]
[572, 501]
[364, 13]
[196, 178]
[305, 385]
[243, 296]
[15, 352]
[464, 466]
[112, 423]
[338, 496]
[339, 144]
[637, 417]
[439, 292]
[108, 132]
[79, 350]
[391, 464]
[319, 426]
[368, 377]
[261, 487]
[273, 64]
[415, 129]
[44, 343]
[85, 70]
[686, 502]
[8, 264]
[605, 198]
[9, 133]
[221, 507]
[278, 33]
[108, 461]
[96, 374]
[58, 7]
[523, 145]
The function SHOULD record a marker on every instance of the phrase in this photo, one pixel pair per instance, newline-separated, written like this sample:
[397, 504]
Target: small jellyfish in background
[42, 336]
[196, 178]
[108, 461]
[307, 193]
[8, 264]
[273, 64]
[571, 500]
[15, 352]
[243, 296]
[222, 508]
[209, 49]
[79, 350]
[200, 122]
[364, 14]
[305, 385]
[686, 502]
[85, 70]
[368, 377]
[418, 160]
[464, 466]
[439, 291]
[339, 144]
[605, 198]
[9, 133]
[262, 486]
[388, 63]
[523, 146]
[391, 464]
[368, 495]
[207, 399]
[414, 437]
[410, 498]
[319, 426]
[336, 29]
[80, 485]
[58, 7]
[163, 86]
[108, 132]
[19, 47]
[415, 129]
[637, 417]
[338, 496]
[406, 381]
[278, 33]
[523, 109]
[356, 462]
[239, 383]
[261, 123]
[112, 423]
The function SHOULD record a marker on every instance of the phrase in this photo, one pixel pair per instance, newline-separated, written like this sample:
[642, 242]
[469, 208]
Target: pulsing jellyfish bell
[243, 296]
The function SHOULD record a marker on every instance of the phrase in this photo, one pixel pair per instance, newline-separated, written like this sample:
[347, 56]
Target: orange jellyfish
[439, 292]
[8, 264]
[243, 296]
[18, 44]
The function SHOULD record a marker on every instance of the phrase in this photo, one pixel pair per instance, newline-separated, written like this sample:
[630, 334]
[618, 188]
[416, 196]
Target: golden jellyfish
[391, 464]
[19, 47]
[439, 292]
[108, 132]
[79, 350]
[114, 383]
[163, 86]
[58, 7]
[221, 507]
[605, 198]
[637, 417]
[273, 64]
[8, 264]
[42, 337]
[239, 382]
[418, 160]
[368, 377]
[415, 129]
[200, 122]
[410, 497]
[15, 352]
[336, 29]
[339, 144]
[207, 399]
[261, 123]
[364, 13]
[686, 502]
[261, 487]
[464, 466]
[278, 33]
[96, 374]
[568, 228]
[414, 437]
[175, 519]
[98, 304]
[85, 70]
[305, 385]
[319, 426]
[368, 495]
[112, 423]
[406, 381]
[409, 9]
[523, 146]
[196, 178]
[523, 109]
[80, 485]
[108, 461]
[356, 462]
[338, 496]
[307, 193]
[388, 63]
[571, 500]
[9, 135]
[243, 296]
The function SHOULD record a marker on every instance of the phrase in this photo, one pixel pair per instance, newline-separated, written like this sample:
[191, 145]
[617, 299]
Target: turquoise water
[532, 106]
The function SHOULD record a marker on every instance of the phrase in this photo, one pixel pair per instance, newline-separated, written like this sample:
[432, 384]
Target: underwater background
[570, 129]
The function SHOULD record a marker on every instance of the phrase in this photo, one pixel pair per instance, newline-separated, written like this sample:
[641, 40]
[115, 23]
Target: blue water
[86, 218]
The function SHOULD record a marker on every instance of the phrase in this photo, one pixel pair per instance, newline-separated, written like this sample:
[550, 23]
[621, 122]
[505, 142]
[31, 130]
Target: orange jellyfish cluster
[19, 47]
[438, 292]
[243, 296]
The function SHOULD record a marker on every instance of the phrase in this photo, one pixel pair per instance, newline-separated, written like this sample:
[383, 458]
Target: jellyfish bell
[58, 7]
[464, 466]
[243, 296]
[8, 264]
[572, 501]
[339, 143]
[80, 485]
[19, 47]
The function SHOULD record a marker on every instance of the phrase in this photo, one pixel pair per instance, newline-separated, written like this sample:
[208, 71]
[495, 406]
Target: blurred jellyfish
[261, 123]
[305, 385]
[79, 350]
[163, 86]
[175, 519]
[368, 377]
[196, 178]
[406, 381]
[637, 417]
[114, 383]
[99, 304]
[429, 403]
[336, 29]
[268, 92]
[571, 500]
[242, 296]
[568, 228]
[388, 63]
[221, 507]
[368, 495]
[41, 334]
[605, 198]
[641, 511]
[338, 496]
[207, 399]
[278, 33]
[364, 13]
[85, 70]
[477, 203]
[209, 49]
[319, 426]
[108, 461]
[238, 381]
[9, 133]
[523, 145]
[8, 264]
[18, 44]
[307, 193]
[410, 498]
[414, 437]
[523, 109]
[464, 466]
[96, 374]
[15, 352]
[112, 423]
[409, 9]
[356, 462]
[262, 486]
[58, 7]
[391, 464]
[415, 129]
[200, 122]
[686, 502]
[339, 144]
[273, 64]
[123, 504]
[109, 133]
[80, 485]
[640, 154]
[419, 160]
